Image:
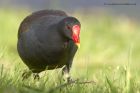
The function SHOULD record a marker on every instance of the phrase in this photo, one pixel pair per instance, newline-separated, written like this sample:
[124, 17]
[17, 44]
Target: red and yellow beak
[78, 44]
[75, 35]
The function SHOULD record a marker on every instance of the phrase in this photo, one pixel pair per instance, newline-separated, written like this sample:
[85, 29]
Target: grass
[109, 55]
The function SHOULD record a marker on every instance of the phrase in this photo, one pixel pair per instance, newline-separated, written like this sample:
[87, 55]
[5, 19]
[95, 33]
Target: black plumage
[48, 39]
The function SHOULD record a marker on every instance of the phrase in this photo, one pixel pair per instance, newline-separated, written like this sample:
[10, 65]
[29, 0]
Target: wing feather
[25, 24]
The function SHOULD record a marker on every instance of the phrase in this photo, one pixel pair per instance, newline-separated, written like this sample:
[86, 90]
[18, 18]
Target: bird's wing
[24, 26]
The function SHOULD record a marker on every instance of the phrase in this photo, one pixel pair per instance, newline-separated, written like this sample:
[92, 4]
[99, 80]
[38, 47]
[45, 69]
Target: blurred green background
[110, 37]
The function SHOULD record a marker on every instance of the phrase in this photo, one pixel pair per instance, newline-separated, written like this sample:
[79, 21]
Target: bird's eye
[68, 27]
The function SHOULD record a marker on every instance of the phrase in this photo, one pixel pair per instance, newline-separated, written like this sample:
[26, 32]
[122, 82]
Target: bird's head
[70, 28]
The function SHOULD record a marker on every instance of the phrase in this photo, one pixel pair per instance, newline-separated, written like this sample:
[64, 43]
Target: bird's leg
[71, 48]
[36, 76]
[66, 74]
[26, 74]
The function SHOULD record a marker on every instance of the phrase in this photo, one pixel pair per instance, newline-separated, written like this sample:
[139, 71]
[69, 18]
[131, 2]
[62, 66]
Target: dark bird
[48, 39]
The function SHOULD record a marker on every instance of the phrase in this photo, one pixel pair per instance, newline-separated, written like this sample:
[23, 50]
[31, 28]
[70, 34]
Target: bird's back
[35, 16]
